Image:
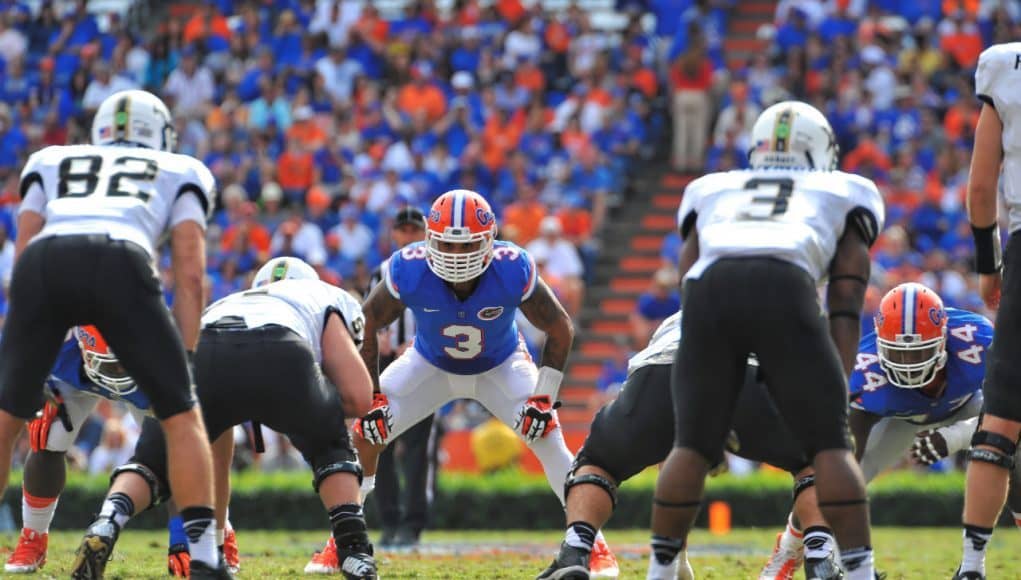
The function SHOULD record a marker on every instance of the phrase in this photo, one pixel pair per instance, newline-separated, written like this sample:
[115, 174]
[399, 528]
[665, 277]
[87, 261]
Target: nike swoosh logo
[430, 310]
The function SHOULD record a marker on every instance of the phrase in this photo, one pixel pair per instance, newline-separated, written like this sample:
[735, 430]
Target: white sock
[37, 512]
[975, 541]
[368, 484]
[858, 564]
[819, 542]
[659, 571]
[219, 536]
[792, 538]
[118, 507]
[556, 460]
[1017, 518]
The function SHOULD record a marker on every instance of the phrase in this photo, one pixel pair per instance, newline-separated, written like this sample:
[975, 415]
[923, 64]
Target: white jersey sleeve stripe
[388, 280]
[533, 278]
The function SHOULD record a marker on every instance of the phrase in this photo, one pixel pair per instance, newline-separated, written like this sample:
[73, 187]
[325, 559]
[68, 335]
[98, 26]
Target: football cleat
[30, 554]
[958, 575]
[202, 571]
[178, 561]
[602, 562]
[357, 563]
[570, 564]
[823, 569]
[95, 550]
[784, 561]
[684, 570]
[230, 551]
[324, 561]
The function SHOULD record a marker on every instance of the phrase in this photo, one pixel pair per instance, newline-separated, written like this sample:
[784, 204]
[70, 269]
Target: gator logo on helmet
[434, 215]
[936, 315]
[485, 217]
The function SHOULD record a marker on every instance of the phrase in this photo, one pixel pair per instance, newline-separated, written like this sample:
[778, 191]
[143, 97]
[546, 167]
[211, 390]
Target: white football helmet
[283, 269]
[793, 135]
[136, 117]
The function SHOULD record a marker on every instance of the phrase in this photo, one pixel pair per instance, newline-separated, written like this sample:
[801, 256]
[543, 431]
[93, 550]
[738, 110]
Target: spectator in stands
[654, 306]
[562, 262]
[190, 86]
[296, 237]
[523, 216]
[355, 238]
[690, 81]
[103, 84]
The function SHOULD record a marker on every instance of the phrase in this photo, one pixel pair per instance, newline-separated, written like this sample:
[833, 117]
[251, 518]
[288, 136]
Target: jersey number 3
[468, 341]
[770, 197]
[79, 176]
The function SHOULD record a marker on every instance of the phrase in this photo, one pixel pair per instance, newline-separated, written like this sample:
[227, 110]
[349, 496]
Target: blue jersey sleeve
[404, 271]
[868, 378]
[969, 336]
[516, 268]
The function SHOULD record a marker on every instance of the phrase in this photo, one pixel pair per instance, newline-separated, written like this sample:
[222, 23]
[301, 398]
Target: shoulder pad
[405, 270]
[350, 310]
[516, 269]
[199, 181]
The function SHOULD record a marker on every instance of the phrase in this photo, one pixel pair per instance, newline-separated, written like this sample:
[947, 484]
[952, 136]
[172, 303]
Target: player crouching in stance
[262, 357]
[637, 430]
[464, 288]
[916, 386]
[86, 371]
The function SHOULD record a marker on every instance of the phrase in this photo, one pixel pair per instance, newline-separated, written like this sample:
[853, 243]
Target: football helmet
[101, 364]
[283, 269]
[793, 135]
[911, 335]
[136, 117]
[460, 216]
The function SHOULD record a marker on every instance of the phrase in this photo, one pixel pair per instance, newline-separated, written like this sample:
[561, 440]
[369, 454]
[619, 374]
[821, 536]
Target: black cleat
[203, 571]
[823, 569]
[95, 550]
[958, 575]
[570, 564]
[356, 562]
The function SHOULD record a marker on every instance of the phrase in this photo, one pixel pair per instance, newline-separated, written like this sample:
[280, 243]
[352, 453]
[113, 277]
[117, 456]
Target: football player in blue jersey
[464, 288]
[916, 387]
[85, 372]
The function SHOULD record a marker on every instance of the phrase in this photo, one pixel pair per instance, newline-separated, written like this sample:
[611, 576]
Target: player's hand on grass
[929, 447]
[376, 425]
[535, 418]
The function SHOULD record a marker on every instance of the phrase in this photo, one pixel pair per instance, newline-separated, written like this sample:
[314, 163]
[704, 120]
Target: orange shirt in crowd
[510, 10]
[576, 223]
[959, 117]
[498, 139]
[258, 237]
[524, 217]
[700, 81]
[413, 98]
[963, 46]
[308, 133]
[645, 81]
[196, 28]
[558, 39]
[530, 78]
[294, 170]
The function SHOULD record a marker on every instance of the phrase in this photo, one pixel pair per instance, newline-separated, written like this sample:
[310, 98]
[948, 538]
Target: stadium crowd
[319, 118]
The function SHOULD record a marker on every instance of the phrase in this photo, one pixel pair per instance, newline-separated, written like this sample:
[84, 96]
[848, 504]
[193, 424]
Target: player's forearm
[846, 332]
[558, 346]
[370, 354]
[861, 424]
[188, 303]
[985, 169]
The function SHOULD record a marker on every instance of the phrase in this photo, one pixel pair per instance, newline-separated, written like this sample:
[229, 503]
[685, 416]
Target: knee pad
[335, 461]
[1003, 456]
[592, 479]
[802, 484]
[159, 490]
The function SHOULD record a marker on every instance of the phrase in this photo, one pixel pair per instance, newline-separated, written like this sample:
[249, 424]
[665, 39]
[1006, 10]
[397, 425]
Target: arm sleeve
[185, 208]
[391, 273]
[985, 76]
[868, 213]
[531, 275]
[687, 214]
[31, 189]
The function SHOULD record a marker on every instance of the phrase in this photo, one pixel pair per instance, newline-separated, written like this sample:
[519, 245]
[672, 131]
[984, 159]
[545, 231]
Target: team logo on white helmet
[283, 269]
[793, 135]
[136, 117]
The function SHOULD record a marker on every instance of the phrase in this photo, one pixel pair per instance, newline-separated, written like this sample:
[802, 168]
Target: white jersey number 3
[468, 341]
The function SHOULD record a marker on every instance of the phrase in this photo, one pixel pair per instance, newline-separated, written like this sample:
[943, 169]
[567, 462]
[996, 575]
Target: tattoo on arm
[380, 309]
[544, 311]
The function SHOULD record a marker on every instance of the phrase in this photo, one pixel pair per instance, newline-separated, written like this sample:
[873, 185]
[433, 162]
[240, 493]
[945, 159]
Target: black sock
[580, 535]
[349, 529]
[666, 549]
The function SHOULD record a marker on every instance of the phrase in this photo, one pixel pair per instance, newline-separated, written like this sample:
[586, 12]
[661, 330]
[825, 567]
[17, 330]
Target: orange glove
[178, 561]
[39, 428]
[375, 426]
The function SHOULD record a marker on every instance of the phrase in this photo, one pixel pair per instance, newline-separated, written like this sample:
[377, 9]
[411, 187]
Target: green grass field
[916, 553]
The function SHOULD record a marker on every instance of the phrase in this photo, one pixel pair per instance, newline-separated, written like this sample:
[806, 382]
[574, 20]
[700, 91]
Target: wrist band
[988, 253]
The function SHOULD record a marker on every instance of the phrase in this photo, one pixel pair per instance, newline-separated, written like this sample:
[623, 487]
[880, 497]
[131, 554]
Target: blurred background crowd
[321, 118]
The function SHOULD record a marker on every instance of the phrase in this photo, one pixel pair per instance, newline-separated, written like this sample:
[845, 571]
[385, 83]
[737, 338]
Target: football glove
[376, 425]
[39, 428]
[929, 447]
[536, 418]
[178, 561]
